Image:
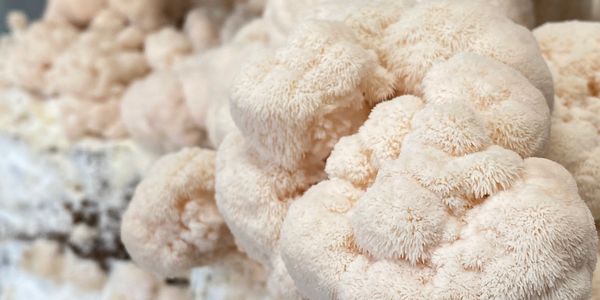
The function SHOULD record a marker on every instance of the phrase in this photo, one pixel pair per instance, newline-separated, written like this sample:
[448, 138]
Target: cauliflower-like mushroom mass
[29, 56]
[409, 217]
[172, 222]
[402, 206]
[207, 81]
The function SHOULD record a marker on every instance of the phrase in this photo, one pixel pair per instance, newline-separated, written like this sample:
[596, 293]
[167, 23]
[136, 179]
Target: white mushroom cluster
[331, 149]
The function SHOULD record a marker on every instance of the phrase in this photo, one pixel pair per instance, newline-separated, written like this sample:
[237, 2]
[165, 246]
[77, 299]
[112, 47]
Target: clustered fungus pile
[362, 165]
[86, 55]
[412, 220]
[328, 149]
[76, 87]
[571, 51]
[448, 147]
[177, 192]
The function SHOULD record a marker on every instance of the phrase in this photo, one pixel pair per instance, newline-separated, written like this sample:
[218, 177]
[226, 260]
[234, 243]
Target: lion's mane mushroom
[207, 80]
[434, 30]
[154, 112]
[292, 105]
[89, 77]
[95, 67]
[30, 51]
[283, 15]
[406, 209]
[571, 49]
[172, 223]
